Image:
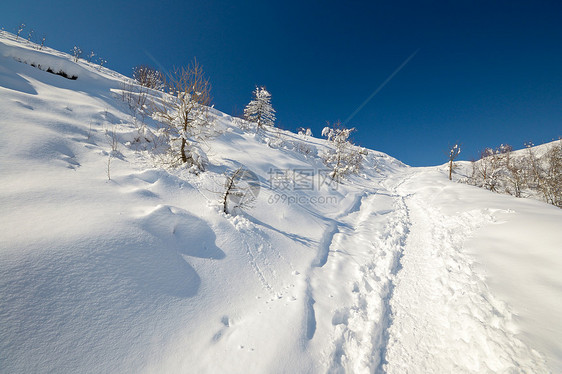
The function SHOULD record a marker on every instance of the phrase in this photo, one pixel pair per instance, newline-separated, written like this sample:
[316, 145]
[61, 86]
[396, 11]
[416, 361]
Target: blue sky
[485, 72]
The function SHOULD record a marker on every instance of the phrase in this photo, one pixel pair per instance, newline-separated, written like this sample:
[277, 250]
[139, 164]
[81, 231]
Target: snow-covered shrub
[101, 63]
[306, 149]
[344, 158]
[486, 172]
[242, 123]
[277, 139]
[304, 132]
[148, 77]
[303, 146]
[259, 110]
[90, 56]
[76, 53]
[49, 69]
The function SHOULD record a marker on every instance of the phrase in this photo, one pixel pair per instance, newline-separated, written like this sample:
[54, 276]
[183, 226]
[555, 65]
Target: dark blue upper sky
[486, 73]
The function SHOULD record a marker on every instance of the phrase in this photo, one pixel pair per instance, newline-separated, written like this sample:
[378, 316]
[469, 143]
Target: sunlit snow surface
[397, 270]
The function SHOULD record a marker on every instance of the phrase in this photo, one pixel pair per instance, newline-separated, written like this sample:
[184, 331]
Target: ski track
[393, 292]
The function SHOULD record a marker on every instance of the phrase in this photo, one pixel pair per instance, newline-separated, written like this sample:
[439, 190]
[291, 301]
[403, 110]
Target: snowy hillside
[394, 270]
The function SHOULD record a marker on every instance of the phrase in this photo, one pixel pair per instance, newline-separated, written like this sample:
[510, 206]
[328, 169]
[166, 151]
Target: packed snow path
[444, 317]
[396, 293]
[350, 292]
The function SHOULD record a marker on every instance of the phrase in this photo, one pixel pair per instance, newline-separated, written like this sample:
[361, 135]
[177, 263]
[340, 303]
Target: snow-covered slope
[394, 270]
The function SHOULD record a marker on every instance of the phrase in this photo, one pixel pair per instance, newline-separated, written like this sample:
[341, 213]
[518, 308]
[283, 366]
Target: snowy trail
[350, 293]
[444, 318]
[397, 293]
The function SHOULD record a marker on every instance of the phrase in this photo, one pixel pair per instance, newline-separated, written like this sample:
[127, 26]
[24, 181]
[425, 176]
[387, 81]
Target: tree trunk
[183, 155]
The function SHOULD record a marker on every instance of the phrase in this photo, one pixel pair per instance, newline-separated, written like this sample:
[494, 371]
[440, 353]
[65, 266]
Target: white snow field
[396, 270]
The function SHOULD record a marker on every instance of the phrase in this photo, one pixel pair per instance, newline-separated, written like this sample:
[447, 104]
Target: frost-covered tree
[185, 114]
[259, 110]
[344, 158]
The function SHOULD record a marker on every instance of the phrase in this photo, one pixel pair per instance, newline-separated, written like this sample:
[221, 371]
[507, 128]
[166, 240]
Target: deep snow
[396, 270]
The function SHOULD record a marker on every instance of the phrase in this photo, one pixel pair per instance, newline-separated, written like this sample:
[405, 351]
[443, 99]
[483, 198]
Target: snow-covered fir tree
[259, 110]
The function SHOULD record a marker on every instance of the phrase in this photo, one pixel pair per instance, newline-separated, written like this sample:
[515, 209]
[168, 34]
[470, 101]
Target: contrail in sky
[381, 86]
[162, 68]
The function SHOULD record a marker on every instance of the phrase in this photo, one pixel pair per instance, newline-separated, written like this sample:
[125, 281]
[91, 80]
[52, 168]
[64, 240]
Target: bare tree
[551, 183]
[43, 38]
[533, 167]
[108, 168]
[19, 30]
[241, 189]
[454, 152]
[486, 171]
[137, 99]
[515, 173]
